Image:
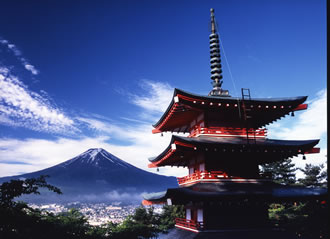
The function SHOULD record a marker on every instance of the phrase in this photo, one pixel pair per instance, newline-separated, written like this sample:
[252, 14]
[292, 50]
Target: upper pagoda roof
[185, 107]
[259, 150]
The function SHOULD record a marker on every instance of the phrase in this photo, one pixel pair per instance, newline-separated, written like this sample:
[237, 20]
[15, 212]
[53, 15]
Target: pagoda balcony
[202, 176]
[216, 176]
[228, 132]
[190, 225]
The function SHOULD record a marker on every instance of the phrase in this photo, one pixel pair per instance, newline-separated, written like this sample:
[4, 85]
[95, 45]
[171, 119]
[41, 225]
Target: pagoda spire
[216, 70]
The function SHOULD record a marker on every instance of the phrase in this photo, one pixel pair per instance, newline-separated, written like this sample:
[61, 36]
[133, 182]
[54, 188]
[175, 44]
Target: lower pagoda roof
[185, 107]
[222, 192]
[261, 150]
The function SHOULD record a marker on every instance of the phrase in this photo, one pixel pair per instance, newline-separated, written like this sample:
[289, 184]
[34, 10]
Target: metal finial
[216, 70]
[213, 25]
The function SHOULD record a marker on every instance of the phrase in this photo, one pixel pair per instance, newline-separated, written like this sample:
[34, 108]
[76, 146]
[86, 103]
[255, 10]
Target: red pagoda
[227, 141]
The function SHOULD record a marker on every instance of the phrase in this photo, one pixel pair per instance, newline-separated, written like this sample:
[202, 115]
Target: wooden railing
[202, 175]
[191, 224]
[214, 175]
[229, 132]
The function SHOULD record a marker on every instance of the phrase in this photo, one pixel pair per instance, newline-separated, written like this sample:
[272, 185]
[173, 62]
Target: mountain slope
[96, 173]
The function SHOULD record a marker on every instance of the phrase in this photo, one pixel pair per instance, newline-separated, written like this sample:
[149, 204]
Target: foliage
[313, 175]
[143, 223]
[282, 172]
[16, 188]
[146, 223]
[34, 223]
[167, 219]
[309, 219]
[19, 221]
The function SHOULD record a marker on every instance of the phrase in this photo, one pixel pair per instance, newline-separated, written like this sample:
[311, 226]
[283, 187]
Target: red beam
[184, 144]
[167, 155]
[312, 151]
[168, 116]
[155, 131]
[152, 165]
[301, 107]
[148, 203]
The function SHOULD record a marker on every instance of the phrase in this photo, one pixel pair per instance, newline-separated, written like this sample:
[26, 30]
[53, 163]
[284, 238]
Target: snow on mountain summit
[97, 156]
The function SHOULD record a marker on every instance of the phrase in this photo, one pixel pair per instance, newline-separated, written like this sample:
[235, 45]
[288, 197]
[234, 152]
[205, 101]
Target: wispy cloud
[140, 144]
[31, 68]
[21, 107]
[309, 124]
[13, 48]
[157, 98]
[100, 125]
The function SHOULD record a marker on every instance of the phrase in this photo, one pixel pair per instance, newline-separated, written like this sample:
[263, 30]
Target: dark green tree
[282, 172]
[314, 176]
[145, 216]
[308, 219]
[142, 224]
[16, 188]
[73, 223]
[17, 219]
[167, 218]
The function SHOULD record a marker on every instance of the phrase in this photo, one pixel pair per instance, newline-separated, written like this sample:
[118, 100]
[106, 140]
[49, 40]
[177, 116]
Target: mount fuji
[97, 175]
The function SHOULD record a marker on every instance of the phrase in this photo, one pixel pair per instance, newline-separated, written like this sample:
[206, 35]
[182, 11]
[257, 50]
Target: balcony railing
[187, 224]
[200, 175]
[229, 132]
[214, 176]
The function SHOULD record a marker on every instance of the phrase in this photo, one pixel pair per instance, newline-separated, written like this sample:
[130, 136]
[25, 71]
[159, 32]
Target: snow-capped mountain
[97, 157]
[97, 173]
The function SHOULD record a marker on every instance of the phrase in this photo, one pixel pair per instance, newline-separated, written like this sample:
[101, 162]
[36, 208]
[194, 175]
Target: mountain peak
[94, 152]
[91, 155]
[97, 156]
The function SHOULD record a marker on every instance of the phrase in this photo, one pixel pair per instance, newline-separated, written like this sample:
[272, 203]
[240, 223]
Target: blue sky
[76, 75]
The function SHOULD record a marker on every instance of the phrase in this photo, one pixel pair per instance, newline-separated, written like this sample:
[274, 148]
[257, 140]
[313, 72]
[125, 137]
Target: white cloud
[31, 68]
[100, 125]
[13, 48]
[21, 107]
[309, 124]
[43, 153]
[158, 98]
[315, 159]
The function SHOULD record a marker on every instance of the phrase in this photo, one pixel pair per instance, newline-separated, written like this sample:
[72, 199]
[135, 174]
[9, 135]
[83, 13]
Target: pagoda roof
[261, 150]
[185, 107]
[224, 191]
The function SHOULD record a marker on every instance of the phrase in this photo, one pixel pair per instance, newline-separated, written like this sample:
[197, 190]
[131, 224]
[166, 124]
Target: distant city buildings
[96, 214]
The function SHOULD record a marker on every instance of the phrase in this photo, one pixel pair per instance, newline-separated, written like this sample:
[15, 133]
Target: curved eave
[154, 198]
[270, 192]
[170, 153]
[186, 106]
[166, 112]
[181, 149]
